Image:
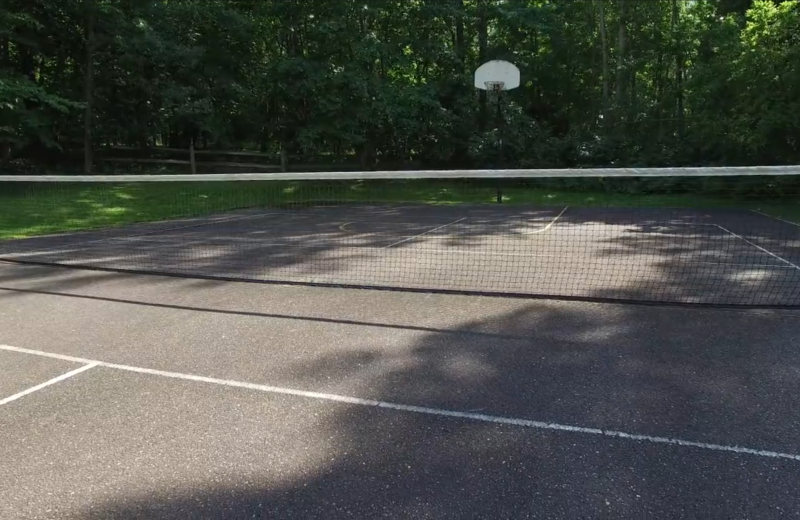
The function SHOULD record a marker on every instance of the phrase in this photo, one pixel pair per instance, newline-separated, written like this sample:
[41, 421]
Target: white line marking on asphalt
[550, 224]
[425, 233]
[344, 227]
[152, 232]
[634, 258]
[470, 416]
[775, 218]
[53, 381]
[770, 253]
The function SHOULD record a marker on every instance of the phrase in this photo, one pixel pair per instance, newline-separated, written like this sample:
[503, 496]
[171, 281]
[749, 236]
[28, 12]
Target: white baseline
[425, 233]
[469, 416]
[770, 253]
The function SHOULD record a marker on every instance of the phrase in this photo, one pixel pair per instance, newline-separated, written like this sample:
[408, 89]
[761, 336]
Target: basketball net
[494, 88]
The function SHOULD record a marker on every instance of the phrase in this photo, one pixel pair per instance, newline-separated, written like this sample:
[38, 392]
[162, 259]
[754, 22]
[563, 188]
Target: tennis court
[135, 396]
[710, 256]
[187, 395]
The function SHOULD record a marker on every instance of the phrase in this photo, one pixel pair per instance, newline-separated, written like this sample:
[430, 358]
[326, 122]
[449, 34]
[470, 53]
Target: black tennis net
[714, 236]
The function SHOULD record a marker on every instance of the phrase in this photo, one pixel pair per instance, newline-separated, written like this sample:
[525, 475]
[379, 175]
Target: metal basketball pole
[500, 125]
[494, 77]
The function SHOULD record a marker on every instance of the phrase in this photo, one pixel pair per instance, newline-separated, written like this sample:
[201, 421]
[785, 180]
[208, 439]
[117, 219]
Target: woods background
[107, 84]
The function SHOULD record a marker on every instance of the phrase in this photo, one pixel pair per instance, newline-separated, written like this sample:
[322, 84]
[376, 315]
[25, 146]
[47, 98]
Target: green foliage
[389, 81]
[27, 210]
[28, 110]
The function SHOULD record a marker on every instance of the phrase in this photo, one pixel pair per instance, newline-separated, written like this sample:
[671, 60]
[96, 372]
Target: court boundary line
[304, 238]
[53, 381]
[423, 410]
[424, 233]
[143, 234]
[770, 253]
[641, 302]
[548, 226]
[775, 218]
[22, 258]
[344, 226]
[521, 255]
[703, 263]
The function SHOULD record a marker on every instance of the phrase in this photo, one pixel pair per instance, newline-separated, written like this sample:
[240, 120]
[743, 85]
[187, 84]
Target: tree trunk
[621, 57]
[483, 48]
[5, 52]
[601, 21]
[679, 68]
[658, 82]
[591, 22]
[5, 61]
[284, 159]
[88, 87]
[631, 71]
[192, 161]
[461, 47]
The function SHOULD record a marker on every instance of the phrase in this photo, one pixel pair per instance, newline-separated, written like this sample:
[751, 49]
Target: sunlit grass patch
[31, 209]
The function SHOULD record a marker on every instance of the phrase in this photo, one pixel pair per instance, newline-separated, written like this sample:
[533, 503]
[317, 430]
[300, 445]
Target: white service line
[458, 251]
[344, 227]
[508, 421]
[143, 234]
[775, 218]
[770, 253]
[550, 224]
[634, 257]
[53, 381]
[425, 233]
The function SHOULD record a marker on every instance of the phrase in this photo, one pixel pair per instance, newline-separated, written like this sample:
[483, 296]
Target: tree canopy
[604, 82]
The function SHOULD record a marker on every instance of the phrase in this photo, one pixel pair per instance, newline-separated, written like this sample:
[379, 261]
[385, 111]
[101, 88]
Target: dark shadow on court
[725, 257]
[714, 376]
[721, 377]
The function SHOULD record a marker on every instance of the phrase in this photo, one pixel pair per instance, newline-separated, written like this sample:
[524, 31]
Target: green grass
[29, 209]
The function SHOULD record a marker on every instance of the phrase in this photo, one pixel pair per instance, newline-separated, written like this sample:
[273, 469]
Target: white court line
[635, 260]
[524, 255]
[770, 253]
[478, 417]
[148, 233]
[344, 226]
[775, 218]
[91, 364]
[425, 233]
[550, 224]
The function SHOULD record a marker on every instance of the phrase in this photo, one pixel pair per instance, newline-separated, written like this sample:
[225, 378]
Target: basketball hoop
[497, 76]
[495, 86]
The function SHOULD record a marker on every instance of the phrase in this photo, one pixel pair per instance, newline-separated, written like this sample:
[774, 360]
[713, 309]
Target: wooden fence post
[191, 157]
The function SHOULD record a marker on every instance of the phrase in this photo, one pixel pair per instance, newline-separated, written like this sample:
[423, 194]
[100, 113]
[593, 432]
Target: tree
[601, 20]
[388, 82]
[88, 83]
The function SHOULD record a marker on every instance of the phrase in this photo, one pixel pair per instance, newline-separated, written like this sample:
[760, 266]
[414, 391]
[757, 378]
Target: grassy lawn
[29, 210]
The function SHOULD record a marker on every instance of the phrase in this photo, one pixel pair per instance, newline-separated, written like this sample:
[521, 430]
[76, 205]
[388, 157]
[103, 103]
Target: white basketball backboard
[495, 71]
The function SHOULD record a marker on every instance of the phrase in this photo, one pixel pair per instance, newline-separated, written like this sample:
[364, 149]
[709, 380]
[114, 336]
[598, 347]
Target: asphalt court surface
[685, 256]
[132, 396]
